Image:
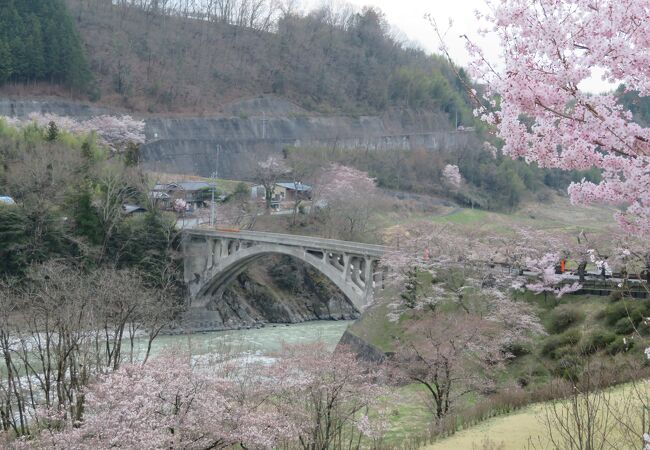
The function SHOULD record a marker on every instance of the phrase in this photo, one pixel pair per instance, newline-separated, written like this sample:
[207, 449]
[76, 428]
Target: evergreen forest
[39, 42]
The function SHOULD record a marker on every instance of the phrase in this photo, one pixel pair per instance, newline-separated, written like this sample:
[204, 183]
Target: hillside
[154, 59]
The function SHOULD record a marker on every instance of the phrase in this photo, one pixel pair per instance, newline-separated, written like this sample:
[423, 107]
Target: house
[193, 193]
[293, 191]
[5, 200]
[284, 192]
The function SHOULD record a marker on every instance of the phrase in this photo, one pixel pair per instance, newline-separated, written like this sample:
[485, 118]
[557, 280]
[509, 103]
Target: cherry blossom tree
[111, 131]
[345, 199]
[460, 264]
[451, 175]
[308, 398]
[544, 115]
[168, 403]
[116, 132]
[632, 256]
[452, 355]
[327, 397]
[548, 280]
[179, 205]
[470, 323]
[416, 252]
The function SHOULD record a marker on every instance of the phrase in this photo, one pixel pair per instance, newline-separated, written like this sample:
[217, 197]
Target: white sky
[408, 16]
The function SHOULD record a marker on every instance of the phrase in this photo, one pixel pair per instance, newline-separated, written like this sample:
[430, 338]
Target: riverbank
[274, 290]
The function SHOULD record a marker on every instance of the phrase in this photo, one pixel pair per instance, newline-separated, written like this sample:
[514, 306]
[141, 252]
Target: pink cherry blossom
[114, 132]
[549, 49]
[452, 176]
[548, 281]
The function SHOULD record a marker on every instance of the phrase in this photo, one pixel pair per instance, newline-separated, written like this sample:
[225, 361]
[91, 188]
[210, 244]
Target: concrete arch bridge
[214, 258]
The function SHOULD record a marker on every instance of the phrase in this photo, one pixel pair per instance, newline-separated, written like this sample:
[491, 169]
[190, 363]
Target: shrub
[517, 349]
[619, 346]
[643, 328]
[615, 296]
[242, 189]
[596, 340]
[634, 310]
[624, 326]
[563, 318]
[568, 367]
[538, 370]
[565, 350]
[552, 343]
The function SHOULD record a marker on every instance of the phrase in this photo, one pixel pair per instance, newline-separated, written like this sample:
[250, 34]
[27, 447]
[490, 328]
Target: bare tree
[268, 173]
[61, 327]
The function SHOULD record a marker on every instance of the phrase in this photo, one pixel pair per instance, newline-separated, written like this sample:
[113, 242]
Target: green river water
[259, 342]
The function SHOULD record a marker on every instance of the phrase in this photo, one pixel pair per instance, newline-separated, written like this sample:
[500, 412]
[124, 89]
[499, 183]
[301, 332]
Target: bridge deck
[294, 240]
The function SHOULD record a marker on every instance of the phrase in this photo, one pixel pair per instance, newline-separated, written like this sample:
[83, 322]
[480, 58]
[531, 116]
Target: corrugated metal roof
[7, 200]
[295, 186]
[128, 209]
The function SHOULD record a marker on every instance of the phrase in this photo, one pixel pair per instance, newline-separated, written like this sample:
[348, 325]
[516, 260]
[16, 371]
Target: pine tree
[52, 132]
[39, 42]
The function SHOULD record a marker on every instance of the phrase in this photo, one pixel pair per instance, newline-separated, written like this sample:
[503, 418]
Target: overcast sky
[408, 16]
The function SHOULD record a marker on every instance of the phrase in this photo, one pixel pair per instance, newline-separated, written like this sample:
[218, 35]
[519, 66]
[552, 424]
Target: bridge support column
[377, 276]
[347, 270]
[368, 275]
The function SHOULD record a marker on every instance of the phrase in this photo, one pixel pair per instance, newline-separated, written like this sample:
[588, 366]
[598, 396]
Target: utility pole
[263, 124]
[215, 176]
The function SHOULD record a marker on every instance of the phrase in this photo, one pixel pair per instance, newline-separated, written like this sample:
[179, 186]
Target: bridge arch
[214, 259]
[231, 268]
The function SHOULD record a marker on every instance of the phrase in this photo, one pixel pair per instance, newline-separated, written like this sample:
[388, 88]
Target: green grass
[557, 215]
[376, 329]
[408, 416]
[468, 217]
[518, 430]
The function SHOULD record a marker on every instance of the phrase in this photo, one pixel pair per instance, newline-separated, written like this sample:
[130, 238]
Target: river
[258, 342]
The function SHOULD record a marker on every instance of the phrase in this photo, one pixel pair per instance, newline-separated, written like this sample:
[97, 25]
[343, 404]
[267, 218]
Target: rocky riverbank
[275, 290]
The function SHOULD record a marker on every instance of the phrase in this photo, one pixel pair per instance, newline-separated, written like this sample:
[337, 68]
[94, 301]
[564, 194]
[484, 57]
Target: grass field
[527, 429]
[558, 214]
[512, 432]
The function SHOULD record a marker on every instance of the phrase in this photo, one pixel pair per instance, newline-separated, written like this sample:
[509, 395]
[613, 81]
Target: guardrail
[293, 240]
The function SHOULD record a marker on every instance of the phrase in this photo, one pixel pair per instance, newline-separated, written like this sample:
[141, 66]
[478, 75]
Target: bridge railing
[294, 240]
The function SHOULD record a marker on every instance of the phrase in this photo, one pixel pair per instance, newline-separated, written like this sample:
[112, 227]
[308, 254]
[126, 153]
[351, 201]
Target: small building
[293, 191]
[131, 210]
[258, 192]
[193, 193]
[284, 192]
[6, 200]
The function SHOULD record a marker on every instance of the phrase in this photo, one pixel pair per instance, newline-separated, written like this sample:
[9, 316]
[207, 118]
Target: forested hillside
[39, 42]
[151, 56]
